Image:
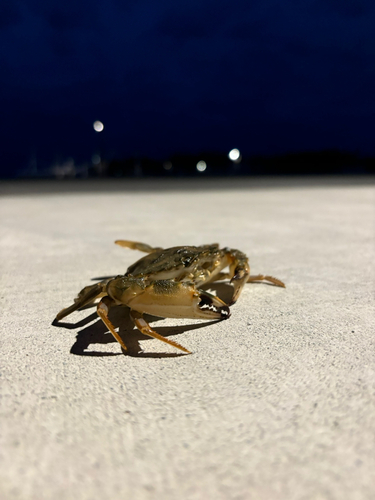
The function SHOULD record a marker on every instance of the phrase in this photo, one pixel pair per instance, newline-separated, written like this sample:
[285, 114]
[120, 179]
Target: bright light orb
[201, 166]
[98, 126]
[234, 154]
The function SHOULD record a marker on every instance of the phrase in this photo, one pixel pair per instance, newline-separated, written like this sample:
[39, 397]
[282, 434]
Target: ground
[276, 402]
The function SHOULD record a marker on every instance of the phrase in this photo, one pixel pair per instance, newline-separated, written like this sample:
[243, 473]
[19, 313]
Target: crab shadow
[97, 333]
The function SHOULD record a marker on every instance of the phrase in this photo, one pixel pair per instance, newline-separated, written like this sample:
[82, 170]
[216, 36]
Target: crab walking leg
[271, 279]
[85, 296]
[102, 309]
[239, 270]
[136, 245]
[259, 277]
[146, 329]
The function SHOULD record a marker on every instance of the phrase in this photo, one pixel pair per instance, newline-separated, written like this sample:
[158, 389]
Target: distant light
[98, 126]
[234, 154]
[96, 159]
[167, 165]
[201, 166]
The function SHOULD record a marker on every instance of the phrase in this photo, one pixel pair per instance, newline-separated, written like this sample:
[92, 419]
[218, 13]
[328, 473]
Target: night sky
[267, 77]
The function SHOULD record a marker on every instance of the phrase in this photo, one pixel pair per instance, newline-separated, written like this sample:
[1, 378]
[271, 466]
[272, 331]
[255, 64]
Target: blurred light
[96, 159]
[201, 166]
[167, 165]
[98, 126]
[234, 154]
[65, 169]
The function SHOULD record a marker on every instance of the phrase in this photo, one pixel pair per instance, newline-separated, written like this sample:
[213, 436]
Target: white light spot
[98, 126]
[201, 166]
[234, 154]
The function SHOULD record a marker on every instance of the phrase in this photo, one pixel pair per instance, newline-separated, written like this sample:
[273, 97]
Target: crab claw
[211, 306]
[169, 299]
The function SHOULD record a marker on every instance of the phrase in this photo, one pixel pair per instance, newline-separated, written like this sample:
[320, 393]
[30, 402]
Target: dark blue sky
[265, 76]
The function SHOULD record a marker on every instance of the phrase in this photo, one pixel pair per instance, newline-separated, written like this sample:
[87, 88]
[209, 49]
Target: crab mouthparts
[206, 303]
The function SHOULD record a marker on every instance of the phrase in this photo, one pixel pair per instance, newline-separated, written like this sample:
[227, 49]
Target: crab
[166, 283]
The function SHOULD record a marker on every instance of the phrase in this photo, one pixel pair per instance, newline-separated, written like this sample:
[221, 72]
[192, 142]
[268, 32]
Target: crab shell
[165, 282]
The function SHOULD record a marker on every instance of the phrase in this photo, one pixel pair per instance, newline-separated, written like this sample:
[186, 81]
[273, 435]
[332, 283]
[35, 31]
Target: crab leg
[136, 245]
[271, 279]
[146, 329]
[239, 271]
[259, 277]
[85, 296]
[102, 309]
